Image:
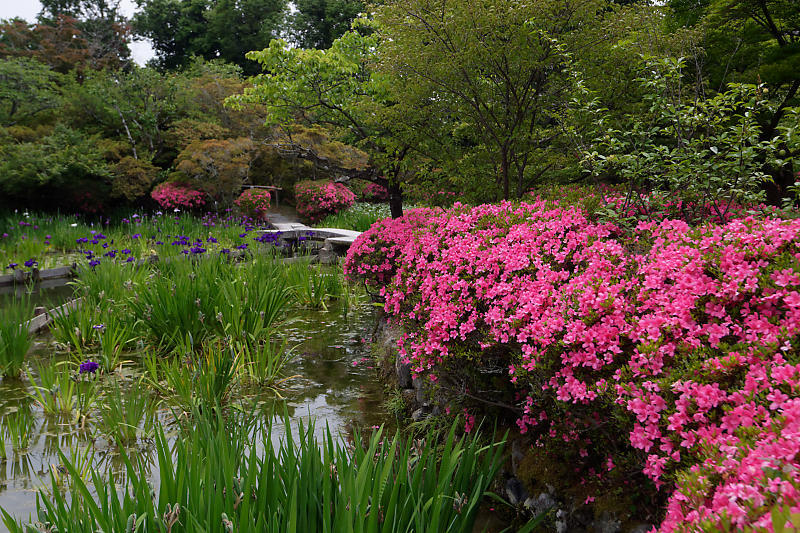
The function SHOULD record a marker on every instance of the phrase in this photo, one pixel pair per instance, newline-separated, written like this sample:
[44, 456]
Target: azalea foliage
[677, 344]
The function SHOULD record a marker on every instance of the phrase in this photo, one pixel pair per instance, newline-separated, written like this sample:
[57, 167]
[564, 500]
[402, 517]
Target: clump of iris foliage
[44, 241]
[14, 339]
[230, 473]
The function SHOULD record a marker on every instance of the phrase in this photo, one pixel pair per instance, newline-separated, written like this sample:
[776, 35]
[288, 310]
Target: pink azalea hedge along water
[318, 199]
[692, 333]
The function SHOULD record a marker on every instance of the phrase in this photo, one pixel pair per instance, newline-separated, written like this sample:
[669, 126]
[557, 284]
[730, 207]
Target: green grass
[357, 218]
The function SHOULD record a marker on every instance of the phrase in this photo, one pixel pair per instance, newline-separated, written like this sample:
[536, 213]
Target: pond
[335, 384]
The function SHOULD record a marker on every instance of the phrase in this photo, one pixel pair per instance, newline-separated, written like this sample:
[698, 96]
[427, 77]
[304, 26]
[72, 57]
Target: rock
[409, 396]
[39, 310]
[422, 392]
[515, 491]
[517, 455]
[327, 257]
[561, 521]
[607, 523]
[642, 528]
[541, 504]
[403, 371]
[419, 414]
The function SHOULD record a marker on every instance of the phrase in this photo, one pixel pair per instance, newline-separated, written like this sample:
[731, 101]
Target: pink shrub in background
[685, 338]
[374, 193]
[253, 202]
[317, 199]
[175, 195]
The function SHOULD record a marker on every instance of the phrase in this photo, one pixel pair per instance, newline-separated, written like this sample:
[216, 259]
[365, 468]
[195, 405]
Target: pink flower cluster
[690, 335]
[318, 199]
[171, 195]
[253, 201]
[375, 193]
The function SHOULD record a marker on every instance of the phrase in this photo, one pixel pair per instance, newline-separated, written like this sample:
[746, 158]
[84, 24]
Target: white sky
[28, 9]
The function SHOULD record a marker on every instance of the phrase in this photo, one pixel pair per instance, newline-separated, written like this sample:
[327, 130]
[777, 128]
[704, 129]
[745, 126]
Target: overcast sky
[28, 9]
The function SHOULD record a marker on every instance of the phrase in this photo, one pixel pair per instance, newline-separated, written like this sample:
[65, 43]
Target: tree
[499, 66]
[218, 166]
[100, 22]
[27, 88]
[212, 29]
[59, 43]
[753, 41]
[337, 89]
[317, 23]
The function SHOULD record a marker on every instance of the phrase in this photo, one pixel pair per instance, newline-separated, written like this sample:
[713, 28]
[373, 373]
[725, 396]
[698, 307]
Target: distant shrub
[176, 195]
[253, 202]
[374, 193]
[318, 199]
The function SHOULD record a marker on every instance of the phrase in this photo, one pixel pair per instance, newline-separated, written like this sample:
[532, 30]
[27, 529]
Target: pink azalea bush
[675, 347]
[171, 195]
[375, 193]
[253, 202]
[318, 199]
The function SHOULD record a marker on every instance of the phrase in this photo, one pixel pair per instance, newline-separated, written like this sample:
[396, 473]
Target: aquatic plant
[124, 413]
[226, 473]
[15, 341]
[55, 391]
[263, 363]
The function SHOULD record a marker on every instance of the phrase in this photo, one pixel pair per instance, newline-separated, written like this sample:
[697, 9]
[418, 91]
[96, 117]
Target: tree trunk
[504, 171]
[395, 199]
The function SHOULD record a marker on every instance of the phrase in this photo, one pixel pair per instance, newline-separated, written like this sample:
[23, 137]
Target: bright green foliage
[230, 473]
[27, 88]
[709, 153]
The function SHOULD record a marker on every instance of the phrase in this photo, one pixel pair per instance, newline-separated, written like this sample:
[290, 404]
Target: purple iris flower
[242, 247]
[212, 240]
[197, 250]
[126, 251]
[93, 263]
[131, 259]
[12, 266]
[136, 235]
[88, 367]
[31, 263]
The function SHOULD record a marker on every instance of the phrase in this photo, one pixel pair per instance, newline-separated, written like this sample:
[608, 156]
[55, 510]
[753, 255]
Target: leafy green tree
[317, 23]
[27, 88]
[753, 41]
[336, 89]
[212, 29]
[137, 106]
[57, 170]
[497, 66]
[708, 153]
